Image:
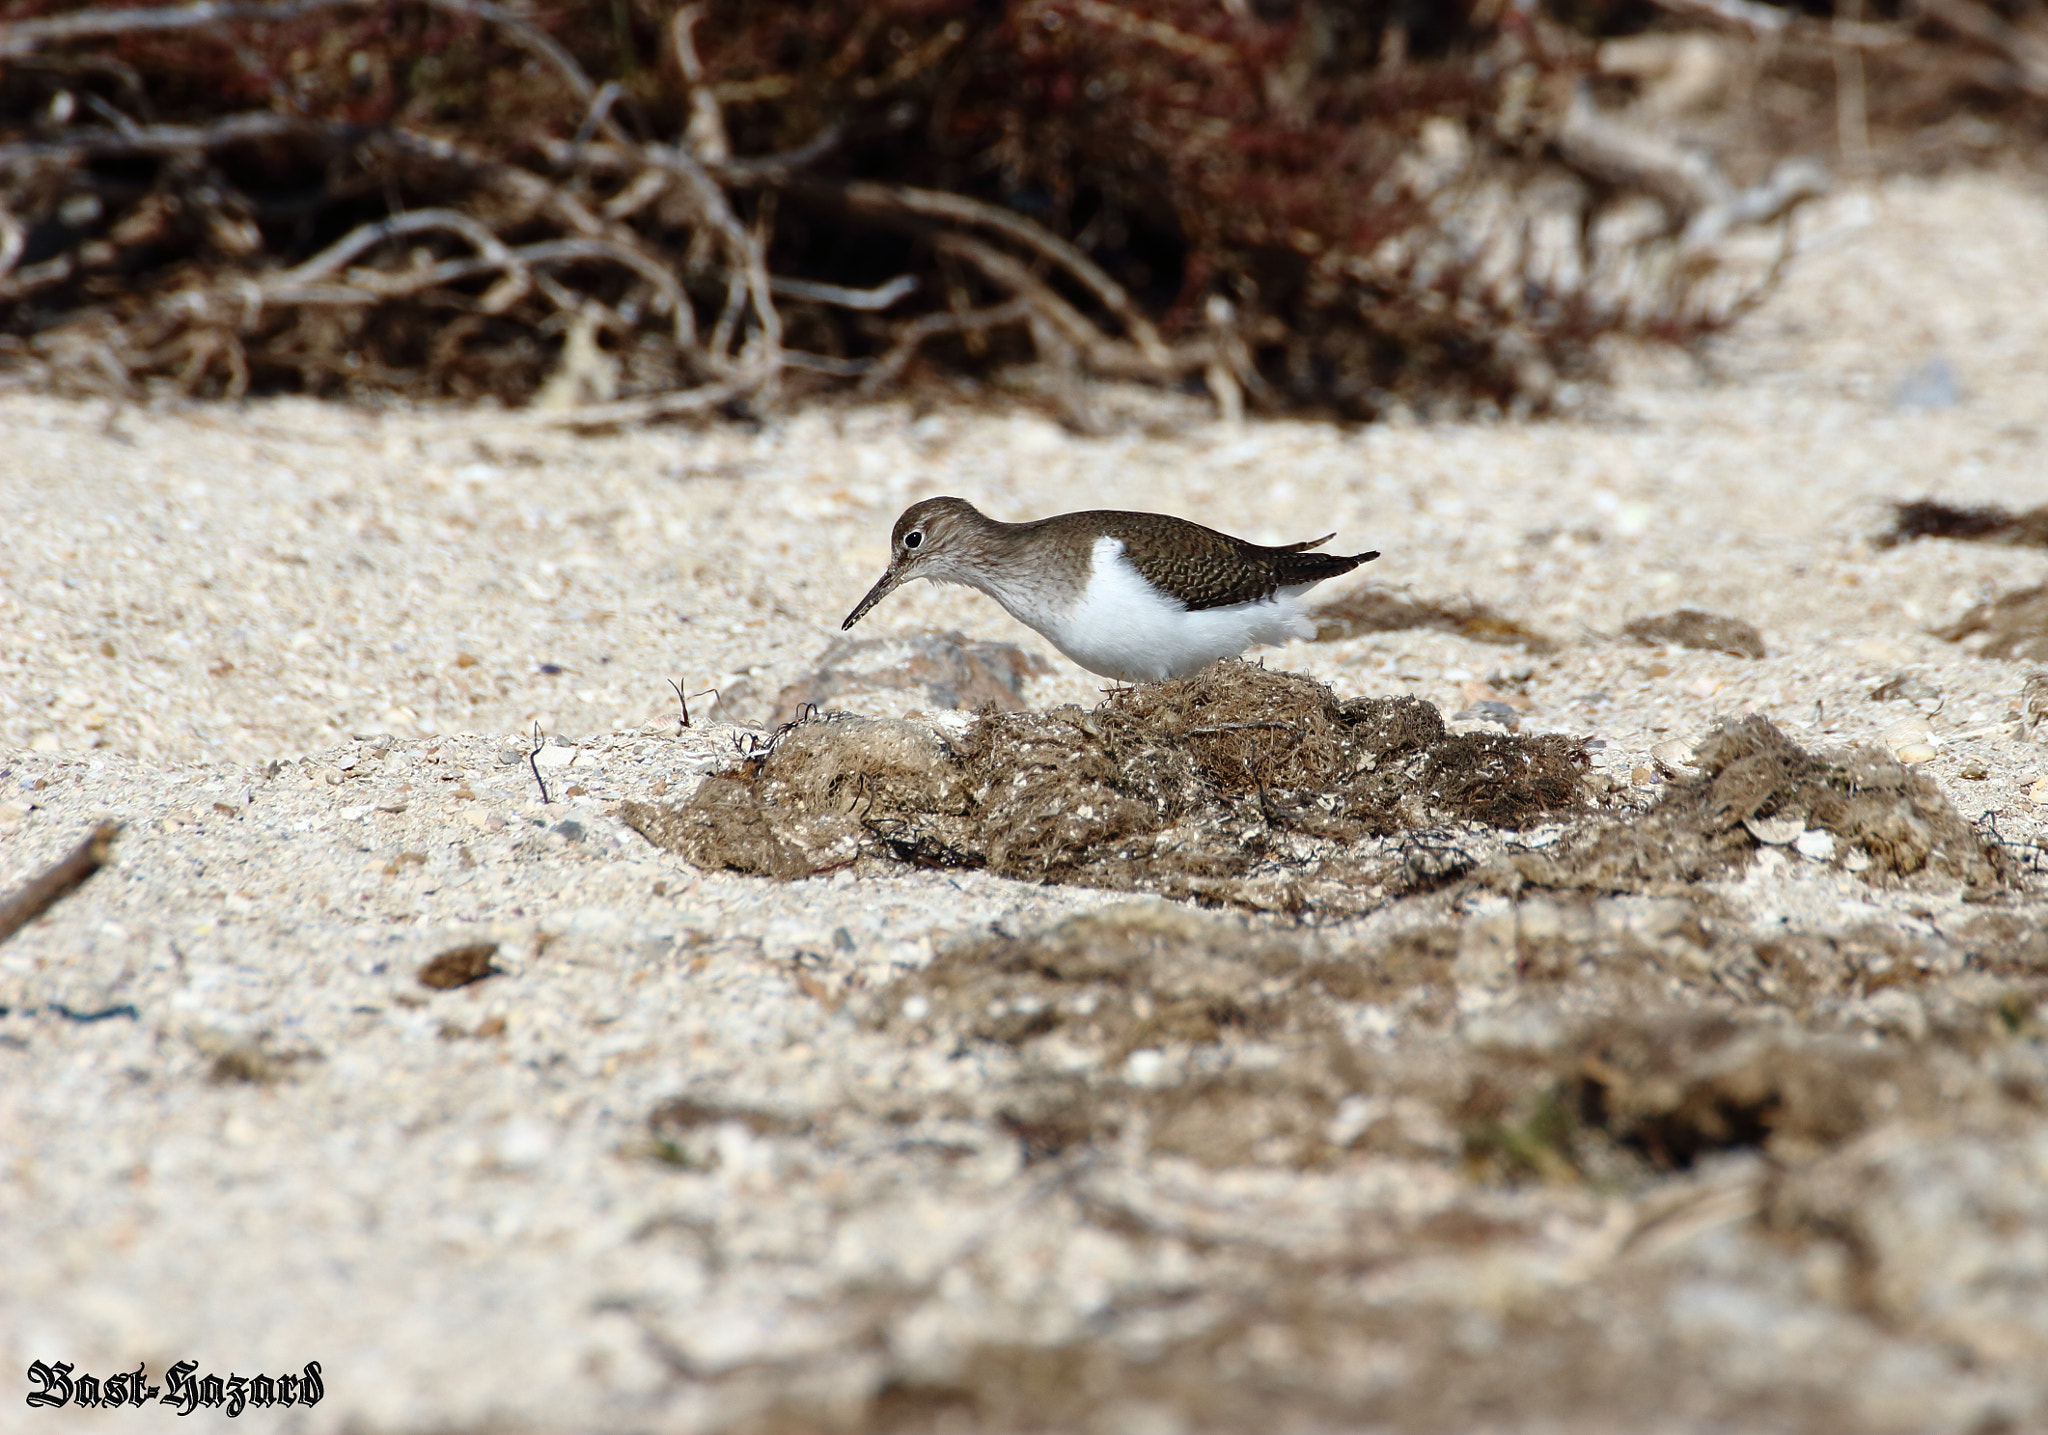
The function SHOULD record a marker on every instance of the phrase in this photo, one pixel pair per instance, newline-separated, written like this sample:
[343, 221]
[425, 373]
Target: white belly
[1124, 628]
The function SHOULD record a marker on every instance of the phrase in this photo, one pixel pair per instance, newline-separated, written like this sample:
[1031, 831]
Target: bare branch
[357, 240]
[161, 139]
[1101, 353]
[2028, 54]
[773, 168]
[870, 300]
[935, 204]
[910, 337]
[376, 286]
[598, 114]
[705, 134]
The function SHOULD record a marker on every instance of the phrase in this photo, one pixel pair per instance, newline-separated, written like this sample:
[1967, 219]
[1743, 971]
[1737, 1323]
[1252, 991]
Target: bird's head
[930, 540]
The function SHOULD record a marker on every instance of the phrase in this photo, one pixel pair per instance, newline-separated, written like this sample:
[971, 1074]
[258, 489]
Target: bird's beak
[876, 594]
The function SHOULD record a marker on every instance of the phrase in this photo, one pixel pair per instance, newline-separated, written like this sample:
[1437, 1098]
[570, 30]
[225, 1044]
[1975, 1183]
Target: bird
[1137, 597]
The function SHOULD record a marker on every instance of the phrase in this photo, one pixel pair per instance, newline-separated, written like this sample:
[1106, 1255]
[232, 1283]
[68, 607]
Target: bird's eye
[913, 539]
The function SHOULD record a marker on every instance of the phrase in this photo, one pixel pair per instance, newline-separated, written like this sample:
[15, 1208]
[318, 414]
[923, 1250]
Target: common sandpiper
[1139, 597]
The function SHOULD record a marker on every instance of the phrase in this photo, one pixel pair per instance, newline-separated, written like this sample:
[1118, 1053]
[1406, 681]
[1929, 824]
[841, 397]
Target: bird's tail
[1299, 567]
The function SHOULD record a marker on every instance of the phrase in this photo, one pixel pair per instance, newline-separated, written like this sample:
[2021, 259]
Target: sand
[300, 650]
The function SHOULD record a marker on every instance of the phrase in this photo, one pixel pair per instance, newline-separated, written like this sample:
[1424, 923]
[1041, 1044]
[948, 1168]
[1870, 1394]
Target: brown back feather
[1207, 569]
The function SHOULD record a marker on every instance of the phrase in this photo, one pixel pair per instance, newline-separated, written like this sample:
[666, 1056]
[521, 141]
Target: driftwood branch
[874, 300]
[912, 336]
[1703, 202]
[705, 135]
[159, 139]
[934, 204]
[2026, 53]
[1101, 353]
[43, 891]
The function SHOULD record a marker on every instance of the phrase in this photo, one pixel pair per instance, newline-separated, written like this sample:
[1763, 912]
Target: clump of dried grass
[1235, 784]
[1887, 820]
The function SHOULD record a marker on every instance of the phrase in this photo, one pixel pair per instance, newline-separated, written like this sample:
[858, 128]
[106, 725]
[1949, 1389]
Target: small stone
[1907, 732]
[1641, 776]
[1916, 752]
[46, 742]
[1974, 772]
[1676, 753]
[553, 757]
[484, 820]
[1856, 860]
[1496, 713]
[1905, 688]
[1776, 831]
[1144, 1066]
[1816, 845]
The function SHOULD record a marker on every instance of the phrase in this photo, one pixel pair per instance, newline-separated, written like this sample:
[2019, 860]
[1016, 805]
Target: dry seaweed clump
[1233, 785]
[1226, 1041]
[1374, 610]
[624, 211]
[1691, 628]
[1928, 518]
[2013, 625]
[1756, 787]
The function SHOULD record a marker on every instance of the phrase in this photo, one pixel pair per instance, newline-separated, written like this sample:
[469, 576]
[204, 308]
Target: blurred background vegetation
[618, 210]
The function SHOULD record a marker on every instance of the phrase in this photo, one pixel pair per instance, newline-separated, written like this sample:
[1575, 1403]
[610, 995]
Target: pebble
[1905, 730]
[1775, 831]
[1815, 844]
[1674, 753]
[1497, 714]
[1915, 752]
[1905, 688]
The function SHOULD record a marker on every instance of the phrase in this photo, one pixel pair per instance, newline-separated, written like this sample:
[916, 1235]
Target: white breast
[1124, 628]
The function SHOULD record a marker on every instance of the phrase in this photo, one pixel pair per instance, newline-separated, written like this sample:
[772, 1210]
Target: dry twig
[43, 891]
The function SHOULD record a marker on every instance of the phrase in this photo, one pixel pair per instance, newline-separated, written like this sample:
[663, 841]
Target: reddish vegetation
[1262, 197]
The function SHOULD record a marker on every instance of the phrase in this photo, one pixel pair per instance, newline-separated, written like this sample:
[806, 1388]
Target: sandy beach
[710, 1151]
